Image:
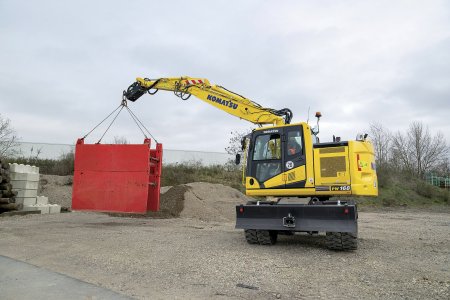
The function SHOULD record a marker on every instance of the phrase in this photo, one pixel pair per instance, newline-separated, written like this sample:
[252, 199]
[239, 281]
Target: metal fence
[440, 181]
[54, 151]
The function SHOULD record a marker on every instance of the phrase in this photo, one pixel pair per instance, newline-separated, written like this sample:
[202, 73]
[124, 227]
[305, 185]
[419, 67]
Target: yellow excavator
[286, 160]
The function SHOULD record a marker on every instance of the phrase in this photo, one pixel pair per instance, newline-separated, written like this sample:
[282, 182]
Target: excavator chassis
[262, 223]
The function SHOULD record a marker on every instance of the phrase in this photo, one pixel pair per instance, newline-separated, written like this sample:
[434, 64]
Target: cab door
[294, 167]
[266, 160]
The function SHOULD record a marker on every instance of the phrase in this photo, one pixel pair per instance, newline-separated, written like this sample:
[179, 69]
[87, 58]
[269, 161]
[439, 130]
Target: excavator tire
[251, 237]
[267, 237]
[342, 241]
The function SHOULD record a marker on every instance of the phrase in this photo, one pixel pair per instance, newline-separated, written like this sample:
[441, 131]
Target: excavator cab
[276, 159]
[286, 161]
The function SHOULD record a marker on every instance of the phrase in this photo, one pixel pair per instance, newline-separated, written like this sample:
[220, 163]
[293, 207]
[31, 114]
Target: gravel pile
[211, 202]
[171, 202]
[199, 200]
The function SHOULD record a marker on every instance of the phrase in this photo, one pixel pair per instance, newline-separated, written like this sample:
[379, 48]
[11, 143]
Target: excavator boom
[214, 95]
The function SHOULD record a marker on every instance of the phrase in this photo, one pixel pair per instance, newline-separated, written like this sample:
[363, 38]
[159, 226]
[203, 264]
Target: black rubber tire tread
[267, 237]
[251, 237]
[342, 241]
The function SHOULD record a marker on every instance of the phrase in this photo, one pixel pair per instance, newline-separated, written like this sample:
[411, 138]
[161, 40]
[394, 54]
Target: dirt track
[401, 255]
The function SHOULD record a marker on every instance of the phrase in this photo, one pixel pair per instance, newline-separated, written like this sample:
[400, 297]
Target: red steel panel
[117, 178]
[155, 178]
[113, 158]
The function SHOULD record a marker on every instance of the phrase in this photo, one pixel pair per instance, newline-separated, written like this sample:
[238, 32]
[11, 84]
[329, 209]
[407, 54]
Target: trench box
[117, 177]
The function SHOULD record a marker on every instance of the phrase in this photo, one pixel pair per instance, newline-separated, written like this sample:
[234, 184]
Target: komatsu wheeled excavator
[286, 160]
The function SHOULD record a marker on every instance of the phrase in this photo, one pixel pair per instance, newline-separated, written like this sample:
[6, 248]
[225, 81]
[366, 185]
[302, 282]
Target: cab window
[294, 143]
[267, 147]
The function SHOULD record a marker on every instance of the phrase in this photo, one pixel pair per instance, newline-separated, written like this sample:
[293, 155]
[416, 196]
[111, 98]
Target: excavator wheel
[251, 237]
[267, 237]
[262, 237]
[342, 241]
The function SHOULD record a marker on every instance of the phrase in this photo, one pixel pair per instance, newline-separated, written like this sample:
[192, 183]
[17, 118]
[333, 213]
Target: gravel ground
[402, 254]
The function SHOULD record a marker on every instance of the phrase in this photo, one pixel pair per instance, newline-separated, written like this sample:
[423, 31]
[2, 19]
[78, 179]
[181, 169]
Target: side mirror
[238, 159]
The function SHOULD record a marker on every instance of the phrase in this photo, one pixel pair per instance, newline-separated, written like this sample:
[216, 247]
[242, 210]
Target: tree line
[416, 151]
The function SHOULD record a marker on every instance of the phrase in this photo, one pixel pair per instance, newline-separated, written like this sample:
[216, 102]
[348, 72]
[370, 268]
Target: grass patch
[403, 190]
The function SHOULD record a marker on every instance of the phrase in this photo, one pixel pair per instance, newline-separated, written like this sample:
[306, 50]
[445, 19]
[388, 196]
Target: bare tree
[444, 167]
[234, 144]
[382, 140]
[8, 138]
[428, 151]
[419, 151]
[120, 140]
[401, 156]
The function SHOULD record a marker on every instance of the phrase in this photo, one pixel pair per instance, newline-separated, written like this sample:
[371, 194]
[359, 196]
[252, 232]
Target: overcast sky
[64, 64]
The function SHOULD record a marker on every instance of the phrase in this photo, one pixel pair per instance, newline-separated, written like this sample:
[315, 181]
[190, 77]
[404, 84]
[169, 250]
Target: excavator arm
[214, 95]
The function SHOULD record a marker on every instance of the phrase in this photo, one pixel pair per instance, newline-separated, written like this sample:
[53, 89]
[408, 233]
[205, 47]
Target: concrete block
[26, 201]
[24, 185]
[19, 168]
[55, 208]
[45, 209]
[13, 167]
[41, 200]
[25, 193]
[30, 208]
[24, 176]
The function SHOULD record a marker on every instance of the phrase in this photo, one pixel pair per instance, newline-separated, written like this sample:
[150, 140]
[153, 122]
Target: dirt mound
[211, 202]
[171, 202]
[199, 200]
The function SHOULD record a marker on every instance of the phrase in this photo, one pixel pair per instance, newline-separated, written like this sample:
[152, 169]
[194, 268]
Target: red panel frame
[117, 178]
